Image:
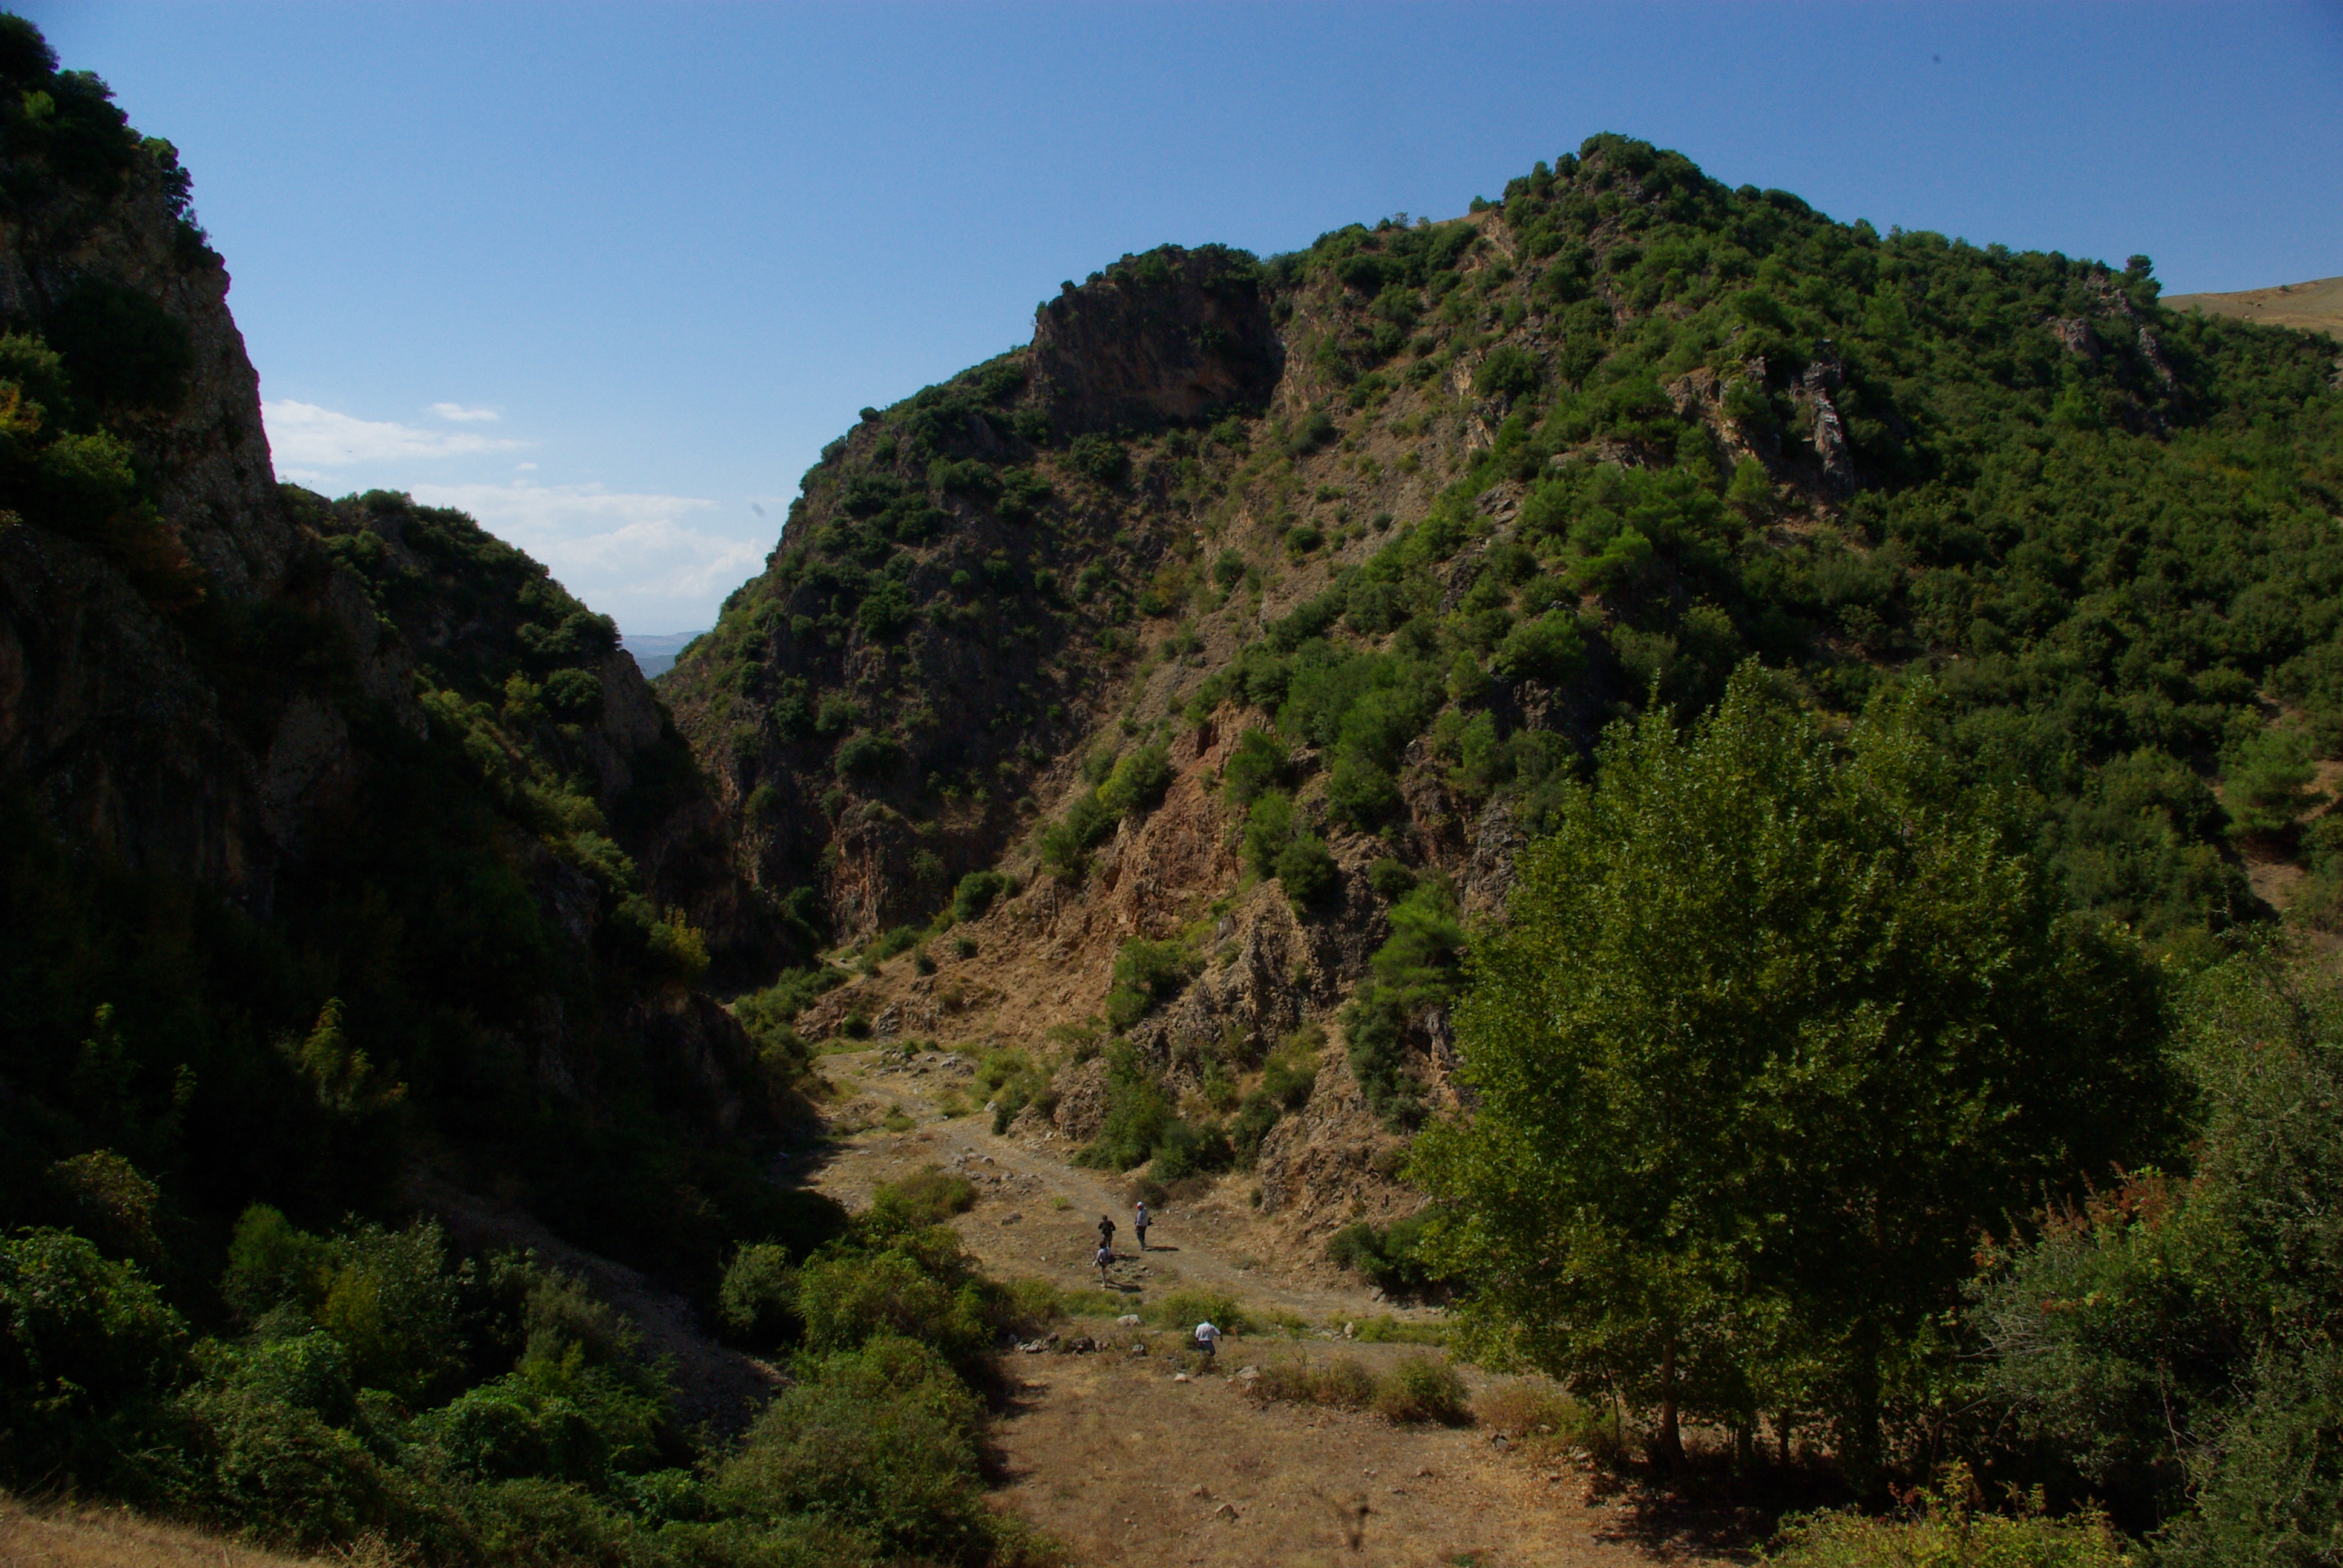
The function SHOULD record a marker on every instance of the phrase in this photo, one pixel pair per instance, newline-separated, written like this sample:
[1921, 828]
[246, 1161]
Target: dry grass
[81, 1535]
[1548, 1423]
[2313, 306]
[1419, 1388]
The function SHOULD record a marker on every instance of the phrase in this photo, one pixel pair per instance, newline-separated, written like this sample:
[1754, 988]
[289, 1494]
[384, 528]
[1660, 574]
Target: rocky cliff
[349, 829]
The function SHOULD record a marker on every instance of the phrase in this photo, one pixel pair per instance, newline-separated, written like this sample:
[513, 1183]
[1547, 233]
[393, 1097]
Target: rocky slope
[1424, 506]
[353, 833]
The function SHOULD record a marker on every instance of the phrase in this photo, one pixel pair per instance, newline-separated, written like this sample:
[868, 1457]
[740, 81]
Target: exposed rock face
[1176, 335]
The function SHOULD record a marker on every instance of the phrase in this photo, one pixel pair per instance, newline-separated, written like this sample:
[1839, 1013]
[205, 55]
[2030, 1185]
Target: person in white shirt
[1139, 1222]
[1208, 1341]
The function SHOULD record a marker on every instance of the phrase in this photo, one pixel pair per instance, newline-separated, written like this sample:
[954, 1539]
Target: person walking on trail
[1105, 1257]
[1139, 1222]
[1208, 1342]
[1106, 1231]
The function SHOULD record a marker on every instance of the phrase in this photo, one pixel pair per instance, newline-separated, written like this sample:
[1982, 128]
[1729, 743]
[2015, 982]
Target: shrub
[756, 1300]
[927, 1197]
[1546, 649]
[1184, 1149]
[882, 1442]
[1422, 1389]
[1361, 794]
[1506, 371]
[77, 1332]
[1949, 1532]
[1256, 763]
[1065, 844]
[846, 1298]
[270, 1263]
[1307, 872]
[1192, 1305]
[1268, 828]
[1099, 457]
[574, 695]
[1138, 782]
[1137, 1113]
[866, 754]
[1146, 973]
[1391, 880]
[281, 1472]
[975, 894]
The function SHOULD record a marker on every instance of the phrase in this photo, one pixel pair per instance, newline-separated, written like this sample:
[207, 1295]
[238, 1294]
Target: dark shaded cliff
[337, 834]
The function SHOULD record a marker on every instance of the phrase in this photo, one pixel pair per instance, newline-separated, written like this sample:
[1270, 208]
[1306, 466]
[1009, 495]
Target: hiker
[1208, 1342]
[1106, 1233]
[1105, 1257]
[1139, 1222]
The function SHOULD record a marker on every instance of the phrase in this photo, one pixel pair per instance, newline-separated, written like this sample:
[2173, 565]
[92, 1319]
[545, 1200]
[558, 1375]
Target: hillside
[462, 1103]
[1234, 634]
[2313, 306]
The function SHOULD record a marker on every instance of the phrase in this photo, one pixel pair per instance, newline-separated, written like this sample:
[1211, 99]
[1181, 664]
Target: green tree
[1774, 1029]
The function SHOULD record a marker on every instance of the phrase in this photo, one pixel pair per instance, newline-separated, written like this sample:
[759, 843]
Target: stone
[1129, 1320]
[1225, 1511]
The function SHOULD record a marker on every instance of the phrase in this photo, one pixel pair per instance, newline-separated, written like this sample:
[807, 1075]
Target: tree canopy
[1776, 1027]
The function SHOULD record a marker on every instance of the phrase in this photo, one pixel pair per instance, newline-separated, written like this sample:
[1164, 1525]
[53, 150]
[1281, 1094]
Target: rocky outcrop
[1175, 335]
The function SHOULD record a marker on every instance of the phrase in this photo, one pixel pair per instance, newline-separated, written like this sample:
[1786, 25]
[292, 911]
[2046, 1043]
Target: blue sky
[609, 275]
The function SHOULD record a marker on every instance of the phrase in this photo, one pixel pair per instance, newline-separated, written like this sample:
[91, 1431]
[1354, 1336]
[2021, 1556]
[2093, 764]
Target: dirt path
[1127, 1462]
[1036, 1217]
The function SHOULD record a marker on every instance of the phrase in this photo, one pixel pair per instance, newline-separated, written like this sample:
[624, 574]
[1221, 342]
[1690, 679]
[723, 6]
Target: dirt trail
[1126, 1461]
[1036, 1217]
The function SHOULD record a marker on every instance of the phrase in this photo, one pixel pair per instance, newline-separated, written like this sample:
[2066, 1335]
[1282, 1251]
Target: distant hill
[656, 655]
[2313, 306]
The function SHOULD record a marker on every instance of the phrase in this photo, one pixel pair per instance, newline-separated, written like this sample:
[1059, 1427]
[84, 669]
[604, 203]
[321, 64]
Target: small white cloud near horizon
[309, 436]
[626, 555]
[457, 411]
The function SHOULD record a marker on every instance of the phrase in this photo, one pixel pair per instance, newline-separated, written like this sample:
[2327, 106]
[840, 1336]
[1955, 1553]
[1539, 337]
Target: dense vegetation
[488, 1410]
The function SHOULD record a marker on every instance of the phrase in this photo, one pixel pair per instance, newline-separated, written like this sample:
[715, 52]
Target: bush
[574, 695]
[1268, 828]
[1391, 880]
[1506, 371]
[1192, 1305]
[975, 894]
[1538, 1413]
[928, 1197]
[866, 754]
[78, 1333]
[1390, 1256]
[1099, 457]
[1361, 794]
[756, 1300]
[1183, 1148]
[846, 1298]
[882, 1442]
[1422, 1389]
[1949, 1532]
[1307, 872]
[1546, 649]
[1065, 844]
[1257, 762]
[1136, 1115]
[1138, 782]
[1146, 973]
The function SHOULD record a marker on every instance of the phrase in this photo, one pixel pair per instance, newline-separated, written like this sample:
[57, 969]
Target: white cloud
[309, 436]
[625, 553]
[457, 411]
